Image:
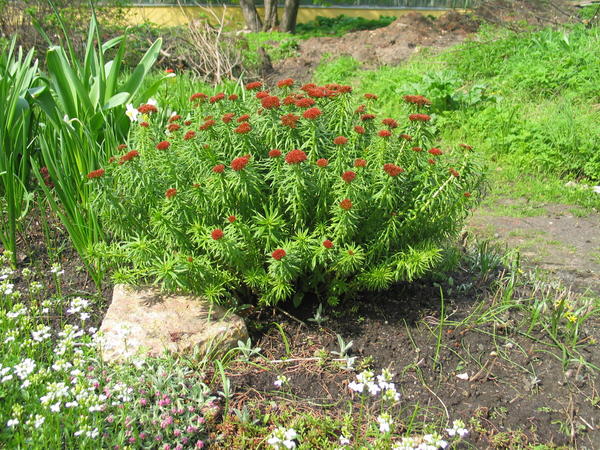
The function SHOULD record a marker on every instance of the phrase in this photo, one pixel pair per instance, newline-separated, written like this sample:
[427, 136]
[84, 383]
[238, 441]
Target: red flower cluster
[129, 156]
[207, 124]
[319, 92]
[93, 174]
[295, 157]
[453, 172]
[254, 85]
[305, 102]
[275, 153]
[359, 129]
[366, 117]
[361, 109]
[392, 170]
[198, 96]
[287, 82]
[340, 140]
[371, 97]
[163, 145]
[270, 102]
[290, 120]
[147, 109]
[435, 152]
[239, 163]
[360, 162]
[144, 124]
[391, 123]
[171, 192]
[278, 254]
[262, 94]
[169, 71]
[231, 219]
[189, 135]
[467, 194]
[233, 97]
[187, 123]
[121, 146]
[417, 100]
[322, 162]
[348, 176]
[339, 88]
[217, 234]
[431, 161]
[227, 117]
[174, 117]
[327, 243]
[384, 133]
[219, 168]
[312, 113]
[419, 117]
[417, 149]
[308, 86]
[243, 128]
[346, 204]
[406, 137]
[243, 118]
[217, 98]
[173, 127]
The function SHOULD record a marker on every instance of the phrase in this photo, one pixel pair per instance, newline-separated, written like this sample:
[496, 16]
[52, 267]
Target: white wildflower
[280, 381]
[458, 428]
[385, 421]
[132, 112]
[12, 423]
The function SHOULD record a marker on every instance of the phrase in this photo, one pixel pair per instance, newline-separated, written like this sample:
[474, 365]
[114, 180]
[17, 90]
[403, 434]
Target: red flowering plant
[298, 190]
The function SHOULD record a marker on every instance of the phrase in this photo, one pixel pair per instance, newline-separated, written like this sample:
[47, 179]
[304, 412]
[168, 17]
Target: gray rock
[145, 322]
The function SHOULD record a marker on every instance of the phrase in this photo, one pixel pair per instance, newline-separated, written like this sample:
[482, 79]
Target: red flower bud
[346, 204]
[348, 176]
[295, 157]
[278, 254]
[163, 145]
[216, 234]
[327, 243]
[322, 162]
[171, 192]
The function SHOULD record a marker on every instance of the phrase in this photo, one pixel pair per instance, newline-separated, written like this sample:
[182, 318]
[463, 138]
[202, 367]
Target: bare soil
[558, 242]
[384, 46]
[517, 390]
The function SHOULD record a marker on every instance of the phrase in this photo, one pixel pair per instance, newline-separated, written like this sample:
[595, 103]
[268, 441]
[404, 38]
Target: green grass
[528, 101]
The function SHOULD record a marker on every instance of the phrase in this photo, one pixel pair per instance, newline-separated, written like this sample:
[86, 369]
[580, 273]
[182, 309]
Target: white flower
[25, 384]
[384, 421]
[55, 407]
[56, 270]
[39, 421]
[373, 388]
[283, 437]
[344, 440]
[280, 381]
[23, 369]
[132, 112]
[152, 101]
[12, 422]
[356, 387]
[84, 316]
[458, 427]
[42, 333]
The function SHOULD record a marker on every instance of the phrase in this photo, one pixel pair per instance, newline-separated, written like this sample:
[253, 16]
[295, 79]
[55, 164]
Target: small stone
[463, 376]
[142, 322]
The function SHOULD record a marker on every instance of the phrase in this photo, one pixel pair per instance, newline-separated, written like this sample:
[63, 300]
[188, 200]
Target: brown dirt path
[557, 242]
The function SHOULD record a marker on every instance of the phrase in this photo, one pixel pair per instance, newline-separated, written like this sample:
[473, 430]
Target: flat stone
[146, 322]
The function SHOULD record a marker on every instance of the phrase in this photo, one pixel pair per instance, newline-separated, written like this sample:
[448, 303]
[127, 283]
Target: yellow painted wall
[174, 15]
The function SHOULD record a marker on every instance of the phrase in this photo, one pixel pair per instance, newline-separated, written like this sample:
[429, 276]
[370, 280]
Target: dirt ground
[384, 46]
[557, 242]
[511, 387]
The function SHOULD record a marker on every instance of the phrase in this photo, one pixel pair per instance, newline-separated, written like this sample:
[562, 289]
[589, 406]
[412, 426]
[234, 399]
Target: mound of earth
[384, 46]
